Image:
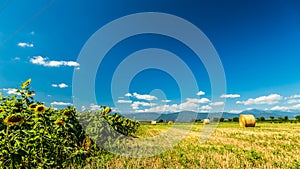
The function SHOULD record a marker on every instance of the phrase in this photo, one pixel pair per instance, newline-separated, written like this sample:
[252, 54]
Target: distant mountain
[268, 113]
[187, 116]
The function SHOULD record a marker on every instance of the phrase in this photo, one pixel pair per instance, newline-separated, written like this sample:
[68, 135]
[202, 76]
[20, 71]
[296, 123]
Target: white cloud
[135, 105]
[231, 96]
[200, 93]
[270, 99]
[128, 94]
[162, 108]
[217, 103]
[11, 91]
[17, 58]
[235, 111]
[281, 108]
[39, 60]
[61, 85]
[205, 108]
[32, 33]
[24, 44]
[188, 106]
[199, 101]
[166, 101]
[293, 101]
[144, 97]
[296, 96]
[287, 108]
[61, 103]
[124, 101]
[94, 107]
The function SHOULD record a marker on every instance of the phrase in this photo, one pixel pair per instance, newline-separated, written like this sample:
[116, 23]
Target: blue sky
[258, 43]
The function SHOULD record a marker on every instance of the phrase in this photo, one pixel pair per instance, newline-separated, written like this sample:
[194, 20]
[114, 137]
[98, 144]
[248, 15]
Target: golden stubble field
[230, 146]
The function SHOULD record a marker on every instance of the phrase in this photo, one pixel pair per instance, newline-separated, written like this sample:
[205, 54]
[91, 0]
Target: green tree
[262, 118]
[235, 119]
[161, 121]
[221, 119]
[272, 118]
[298, 117]
[286, 118]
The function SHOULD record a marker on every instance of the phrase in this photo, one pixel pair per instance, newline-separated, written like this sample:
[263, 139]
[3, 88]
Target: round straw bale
[247, 120]
[170, 123]
[206, 121]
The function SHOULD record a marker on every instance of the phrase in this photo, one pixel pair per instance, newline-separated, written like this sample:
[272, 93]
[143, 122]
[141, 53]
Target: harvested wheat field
[230, 146]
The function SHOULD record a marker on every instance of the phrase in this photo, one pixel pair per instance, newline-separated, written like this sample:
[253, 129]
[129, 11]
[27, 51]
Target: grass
[265, 146]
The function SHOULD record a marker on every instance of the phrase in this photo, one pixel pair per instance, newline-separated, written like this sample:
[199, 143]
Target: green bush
[34, 136]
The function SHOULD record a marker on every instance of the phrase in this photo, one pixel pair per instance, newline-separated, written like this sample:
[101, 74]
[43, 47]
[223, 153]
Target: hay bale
[170, 123]
[206, 121]
[247, 120]
[153, 122]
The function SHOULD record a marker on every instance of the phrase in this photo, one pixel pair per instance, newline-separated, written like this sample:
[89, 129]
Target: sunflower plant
[35, 136]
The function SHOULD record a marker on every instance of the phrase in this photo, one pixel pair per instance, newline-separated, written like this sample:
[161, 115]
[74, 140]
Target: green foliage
[235, 119]
[298, 117]
[34, 136]
[280, 119]
[262, 118]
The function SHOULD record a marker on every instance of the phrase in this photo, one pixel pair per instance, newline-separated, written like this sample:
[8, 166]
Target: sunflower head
[40, 109]
[106, 110]
[12, 120]
[60, 122]
[67, 113]
[25, 84]
[32, 106]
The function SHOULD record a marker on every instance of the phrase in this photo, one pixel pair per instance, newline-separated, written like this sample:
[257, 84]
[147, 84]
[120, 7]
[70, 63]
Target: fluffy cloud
[188, 106]
[39, 60]
[135, 105]
[144, 97]
[62, 85]
[293, 101]
[125, 101]
[166, 101]
[55, 103]
[17, 58]
[270, 99]
[11, 91]
[235, 111]
[128, 94]
[287, 108]
[200, 93]
[199, 101]
[94, 107]
[296, 96]
[217, 103]
[205, 108]
[24, 44]
[231, 96]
